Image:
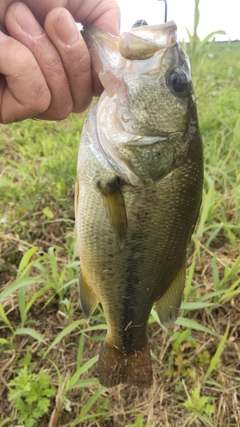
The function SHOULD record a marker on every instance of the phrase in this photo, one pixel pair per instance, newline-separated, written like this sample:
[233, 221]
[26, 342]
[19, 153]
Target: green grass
[43, 337]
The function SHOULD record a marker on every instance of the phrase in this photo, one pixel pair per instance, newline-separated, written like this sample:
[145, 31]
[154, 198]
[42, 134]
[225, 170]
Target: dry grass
[38, 176]
[176, 370]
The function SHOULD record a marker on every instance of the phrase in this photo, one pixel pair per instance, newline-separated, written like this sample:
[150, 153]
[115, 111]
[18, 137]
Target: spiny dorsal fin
[168, 305]
[88, 298]
[115, 208]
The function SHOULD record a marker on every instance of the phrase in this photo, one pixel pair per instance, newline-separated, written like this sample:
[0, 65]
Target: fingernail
[66, 28]
[26, 20]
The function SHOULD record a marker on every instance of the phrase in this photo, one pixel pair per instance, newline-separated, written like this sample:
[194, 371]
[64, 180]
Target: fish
[138, 192]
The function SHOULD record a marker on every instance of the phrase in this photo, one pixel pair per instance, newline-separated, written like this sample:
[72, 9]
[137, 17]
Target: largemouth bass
[138, 191]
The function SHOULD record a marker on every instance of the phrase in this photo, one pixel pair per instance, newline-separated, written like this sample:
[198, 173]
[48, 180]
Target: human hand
[44, 62]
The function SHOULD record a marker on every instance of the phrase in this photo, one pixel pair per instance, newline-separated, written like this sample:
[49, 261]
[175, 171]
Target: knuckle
[81, 106]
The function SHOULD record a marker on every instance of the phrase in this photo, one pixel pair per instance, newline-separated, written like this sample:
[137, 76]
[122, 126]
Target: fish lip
[157, 27]
[145, 41]
[98, 32]
[157, 38]
[162, 35]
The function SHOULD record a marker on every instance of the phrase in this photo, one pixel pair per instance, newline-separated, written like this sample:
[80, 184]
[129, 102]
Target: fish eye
[178, 81]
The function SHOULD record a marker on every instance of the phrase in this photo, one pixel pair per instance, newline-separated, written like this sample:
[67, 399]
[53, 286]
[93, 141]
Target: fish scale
[138, 194]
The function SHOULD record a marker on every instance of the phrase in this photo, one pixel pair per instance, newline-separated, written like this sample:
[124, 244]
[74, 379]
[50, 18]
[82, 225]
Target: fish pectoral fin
[88, 299]
[168, 305]
[115, 208]
[133, 368]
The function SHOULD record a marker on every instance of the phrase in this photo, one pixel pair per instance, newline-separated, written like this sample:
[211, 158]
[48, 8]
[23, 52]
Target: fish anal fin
[168, 305]
[115, 208]
[88, 299]
[133, 368]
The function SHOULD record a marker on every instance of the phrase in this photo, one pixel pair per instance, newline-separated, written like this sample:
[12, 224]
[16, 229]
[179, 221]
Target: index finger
[102, 13]
[24, 83]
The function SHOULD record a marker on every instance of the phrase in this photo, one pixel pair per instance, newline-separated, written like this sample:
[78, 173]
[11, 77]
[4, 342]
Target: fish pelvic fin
[88, 299]
[133, 368]
[115, 208]
[168, 305]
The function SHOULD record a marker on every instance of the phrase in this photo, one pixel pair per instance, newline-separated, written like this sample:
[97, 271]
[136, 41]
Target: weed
[39, 269]
[139, 422]
[199, 405]
[196, 45]
[31, 395]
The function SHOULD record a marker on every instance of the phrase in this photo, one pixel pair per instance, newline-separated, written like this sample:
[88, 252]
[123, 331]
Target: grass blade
[32, 333]
[215, 359]
[4, 318]
[63, 333]
[195, 305]
[88, 405]
[188, 323]
[19, 284]
[80, 351]
[24, 263]
[72, 382]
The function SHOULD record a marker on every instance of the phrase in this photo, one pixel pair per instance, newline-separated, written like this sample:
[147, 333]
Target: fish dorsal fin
[115, 208]
[168, 305]
[88, 298]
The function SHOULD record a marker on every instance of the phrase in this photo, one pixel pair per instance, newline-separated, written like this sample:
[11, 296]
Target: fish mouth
[144, 41]
[138, 44]
[157, 30]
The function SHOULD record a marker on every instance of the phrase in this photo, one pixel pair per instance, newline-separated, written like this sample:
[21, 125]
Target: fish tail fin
[115, 367]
